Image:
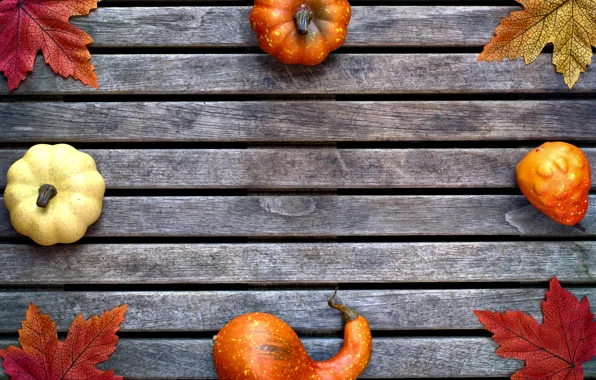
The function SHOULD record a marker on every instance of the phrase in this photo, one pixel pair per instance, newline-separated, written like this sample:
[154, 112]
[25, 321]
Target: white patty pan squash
[54, 193]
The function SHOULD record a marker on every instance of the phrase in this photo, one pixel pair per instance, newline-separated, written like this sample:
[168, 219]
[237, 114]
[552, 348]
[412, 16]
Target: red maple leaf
[43, 357]
[554, 350]
[26, 26]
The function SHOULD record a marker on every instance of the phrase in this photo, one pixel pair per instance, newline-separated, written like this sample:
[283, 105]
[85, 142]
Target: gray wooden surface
[228, 26]
[304, 263]
[306, 310]
[339, 74]
[293, 121]
[320, 216]
[304, 168]
[389, 170]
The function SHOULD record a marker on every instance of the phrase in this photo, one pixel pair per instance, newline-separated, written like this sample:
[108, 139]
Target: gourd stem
[347, 313]
[46, 193]
[580, 227]
[302, 18]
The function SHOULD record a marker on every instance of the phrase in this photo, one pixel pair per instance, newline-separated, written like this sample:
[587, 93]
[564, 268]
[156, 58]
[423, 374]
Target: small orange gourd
[300, 31]
[556, 179]
[261, 346]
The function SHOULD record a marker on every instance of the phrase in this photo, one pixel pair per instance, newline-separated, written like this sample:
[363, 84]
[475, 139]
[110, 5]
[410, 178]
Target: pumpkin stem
[302, 18]
[347, 313]
[580, 227]
[46, 193]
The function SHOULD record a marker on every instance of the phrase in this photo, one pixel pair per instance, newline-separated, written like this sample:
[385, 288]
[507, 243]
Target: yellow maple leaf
[570, 25]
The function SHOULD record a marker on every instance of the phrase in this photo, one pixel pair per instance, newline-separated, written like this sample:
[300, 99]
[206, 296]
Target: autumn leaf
[554, 350]
[26, 26]
[42, 356]
[568, 24]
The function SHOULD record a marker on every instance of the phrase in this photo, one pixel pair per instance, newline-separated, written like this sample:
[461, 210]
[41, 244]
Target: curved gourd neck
[355, 353]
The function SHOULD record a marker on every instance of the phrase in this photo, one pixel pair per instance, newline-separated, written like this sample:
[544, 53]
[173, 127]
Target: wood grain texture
[303, 168]
[378, 26]
[27, 264]
[392, 358]
[339, 74]
[322, 216]
[261, 266]
[290, 121]
[306, 311]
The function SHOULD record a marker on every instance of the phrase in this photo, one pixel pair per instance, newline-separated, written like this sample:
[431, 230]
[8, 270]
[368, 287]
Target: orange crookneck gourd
[300, 31]
[556, 179]
[263, 347]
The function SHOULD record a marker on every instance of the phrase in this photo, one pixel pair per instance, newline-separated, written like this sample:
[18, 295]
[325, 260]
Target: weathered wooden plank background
[238, 184]
[322, 216]
[227, 26]
[303, 168]
[204, 311]
[510, 262]
[232, 74]
[293, 121]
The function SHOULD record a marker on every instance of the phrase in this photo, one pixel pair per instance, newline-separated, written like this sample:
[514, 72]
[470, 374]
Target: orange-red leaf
[42, 356]
[26, 26]
[554, 350]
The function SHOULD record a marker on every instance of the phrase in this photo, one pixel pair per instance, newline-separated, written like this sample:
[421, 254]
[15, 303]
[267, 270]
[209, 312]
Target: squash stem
[302, 18]
[347, 313]
[580, 227]
[46, 193]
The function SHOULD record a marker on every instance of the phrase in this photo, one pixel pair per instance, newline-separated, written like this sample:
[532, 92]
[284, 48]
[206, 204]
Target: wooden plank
[340, 74]
[292, 121]
[378, 26]
[303, 168]
[527, 262]
[322, 216]
[392, 358]
[306, 311]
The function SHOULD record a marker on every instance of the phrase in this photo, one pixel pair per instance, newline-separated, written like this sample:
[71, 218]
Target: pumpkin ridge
[327, 36]
[280, 45]
[75, 189]
[73, 215]
[288, 35]
[322, 35]
[30, 157]
[73, 210]
[10, 195]
[25, 180]
[75, 163]
[269, 9]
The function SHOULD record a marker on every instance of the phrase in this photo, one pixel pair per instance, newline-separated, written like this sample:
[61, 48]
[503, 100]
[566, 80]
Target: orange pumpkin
[261, 346]
[556, 179]
[300, 31]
